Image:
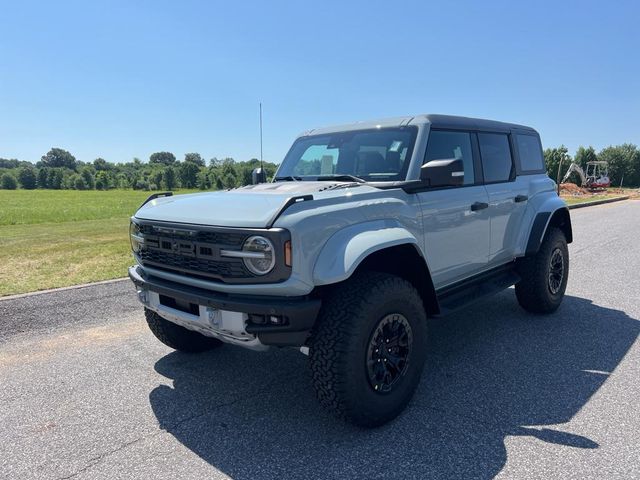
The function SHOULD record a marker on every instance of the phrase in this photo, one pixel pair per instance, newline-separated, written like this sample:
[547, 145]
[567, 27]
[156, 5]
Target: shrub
[55, 178]
[8, 182]
[27, 178]
[87, 176]
[43, 177]
[169, 178]
[203, 180]
[79, 183]
[102, 180]
[142, 185]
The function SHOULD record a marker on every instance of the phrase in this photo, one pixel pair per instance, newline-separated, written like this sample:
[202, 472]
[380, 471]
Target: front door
[455, 219]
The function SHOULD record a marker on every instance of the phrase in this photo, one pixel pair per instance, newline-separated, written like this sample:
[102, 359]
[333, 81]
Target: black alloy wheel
[389, 352]
[556, 271]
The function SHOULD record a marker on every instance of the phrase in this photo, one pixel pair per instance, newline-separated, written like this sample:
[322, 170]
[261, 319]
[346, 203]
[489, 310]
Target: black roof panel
[452, 121]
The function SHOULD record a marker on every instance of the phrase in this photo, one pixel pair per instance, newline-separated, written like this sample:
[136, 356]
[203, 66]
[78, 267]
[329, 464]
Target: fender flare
[541, 224]
[348, 247]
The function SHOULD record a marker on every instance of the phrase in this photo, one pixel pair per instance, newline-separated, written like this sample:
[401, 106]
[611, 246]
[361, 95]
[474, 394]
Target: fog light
[276, 320]
[214, 316]
[143, 296]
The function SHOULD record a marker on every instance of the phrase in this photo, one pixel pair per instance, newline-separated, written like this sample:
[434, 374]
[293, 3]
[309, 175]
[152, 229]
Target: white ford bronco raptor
[365, 231]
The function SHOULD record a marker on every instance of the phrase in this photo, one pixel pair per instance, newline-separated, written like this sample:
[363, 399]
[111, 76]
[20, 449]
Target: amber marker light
[287, 253]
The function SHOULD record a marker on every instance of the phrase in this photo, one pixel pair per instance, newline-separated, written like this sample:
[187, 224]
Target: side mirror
[443, 173]
[258, 175]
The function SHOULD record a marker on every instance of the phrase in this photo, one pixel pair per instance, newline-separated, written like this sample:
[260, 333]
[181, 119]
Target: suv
[366, 231]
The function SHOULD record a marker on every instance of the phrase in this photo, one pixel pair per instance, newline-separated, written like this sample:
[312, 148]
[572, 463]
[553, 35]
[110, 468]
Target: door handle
[521, 198]
[479, 206]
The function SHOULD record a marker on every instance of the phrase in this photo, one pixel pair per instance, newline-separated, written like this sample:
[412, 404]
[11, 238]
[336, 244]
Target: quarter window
[530, 153]
[446, 145]
[496, 157]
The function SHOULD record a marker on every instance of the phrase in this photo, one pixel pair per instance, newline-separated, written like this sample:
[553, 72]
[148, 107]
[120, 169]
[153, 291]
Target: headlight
[135, 236]
[258, 255]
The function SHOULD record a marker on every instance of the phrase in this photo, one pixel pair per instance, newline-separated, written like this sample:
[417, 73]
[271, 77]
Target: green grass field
[593, 198]
[57, 238]
[21, 207]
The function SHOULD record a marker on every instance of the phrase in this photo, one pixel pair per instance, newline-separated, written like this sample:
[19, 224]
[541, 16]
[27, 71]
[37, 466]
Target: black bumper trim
[300, 311]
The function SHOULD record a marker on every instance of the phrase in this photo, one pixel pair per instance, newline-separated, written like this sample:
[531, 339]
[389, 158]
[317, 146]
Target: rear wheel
[544, 275]
[368, 348]
[177, 337]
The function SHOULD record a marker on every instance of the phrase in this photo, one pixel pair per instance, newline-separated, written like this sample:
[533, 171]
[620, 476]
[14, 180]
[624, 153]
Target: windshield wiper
[341, 176]
[288, 178]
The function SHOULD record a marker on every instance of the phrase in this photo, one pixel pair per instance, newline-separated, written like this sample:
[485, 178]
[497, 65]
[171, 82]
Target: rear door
[455, 219]
[508, 195]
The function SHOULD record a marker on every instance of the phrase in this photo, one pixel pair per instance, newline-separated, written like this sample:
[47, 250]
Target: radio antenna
[261, 135]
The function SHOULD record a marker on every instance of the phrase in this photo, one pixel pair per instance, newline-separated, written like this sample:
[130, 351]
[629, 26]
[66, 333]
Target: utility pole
[258, 175]
[559, 171]
[261, 136]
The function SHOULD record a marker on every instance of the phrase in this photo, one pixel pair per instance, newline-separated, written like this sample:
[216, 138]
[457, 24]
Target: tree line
[59, 169]
[623, 162]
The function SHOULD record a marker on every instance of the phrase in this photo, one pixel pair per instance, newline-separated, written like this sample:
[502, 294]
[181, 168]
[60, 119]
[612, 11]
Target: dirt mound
[573, 189]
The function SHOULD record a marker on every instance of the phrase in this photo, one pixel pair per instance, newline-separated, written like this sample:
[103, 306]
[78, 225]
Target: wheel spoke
[388, 353]
[556, 271]
[394, 361]
[393, 341]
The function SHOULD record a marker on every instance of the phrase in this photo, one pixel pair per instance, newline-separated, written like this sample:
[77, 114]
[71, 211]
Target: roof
[435, 120]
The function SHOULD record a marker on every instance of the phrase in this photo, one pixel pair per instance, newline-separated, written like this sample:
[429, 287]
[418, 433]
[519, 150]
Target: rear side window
[496, 157]
[446, 145]
[529, 152]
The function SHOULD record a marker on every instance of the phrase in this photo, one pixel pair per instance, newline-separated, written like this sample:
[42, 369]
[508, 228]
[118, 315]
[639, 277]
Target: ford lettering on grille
[183, 247]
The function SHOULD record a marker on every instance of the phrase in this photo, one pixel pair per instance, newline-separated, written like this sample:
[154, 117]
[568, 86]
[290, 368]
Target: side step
[465, 293]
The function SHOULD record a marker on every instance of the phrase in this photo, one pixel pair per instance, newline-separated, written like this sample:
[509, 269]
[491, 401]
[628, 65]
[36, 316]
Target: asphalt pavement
[86, 391]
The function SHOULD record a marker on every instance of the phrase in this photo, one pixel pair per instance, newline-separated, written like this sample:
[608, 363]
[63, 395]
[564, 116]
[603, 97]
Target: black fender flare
[559, 217]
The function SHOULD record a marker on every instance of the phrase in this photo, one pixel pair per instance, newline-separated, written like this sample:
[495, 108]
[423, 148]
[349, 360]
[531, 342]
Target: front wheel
[544, 275]
[368, 349]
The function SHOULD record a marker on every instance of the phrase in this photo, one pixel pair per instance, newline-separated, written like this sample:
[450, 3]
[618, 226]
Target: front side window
[373, 155]
[445, 145]
[496, 157]
[529, 152]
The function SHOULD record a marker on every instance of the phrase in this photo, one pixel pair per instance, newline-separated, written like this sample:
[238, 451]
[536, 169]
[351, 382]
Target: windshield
[378, 155]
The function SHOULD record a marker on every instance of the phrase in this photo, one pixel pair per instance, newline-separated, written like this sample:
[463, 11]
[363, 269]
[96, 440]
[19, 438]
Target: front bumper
[300, 313]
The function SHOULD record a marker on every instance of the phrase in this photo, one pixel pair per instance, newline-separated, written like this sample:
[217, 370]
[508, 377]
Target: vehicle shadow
[492, 371]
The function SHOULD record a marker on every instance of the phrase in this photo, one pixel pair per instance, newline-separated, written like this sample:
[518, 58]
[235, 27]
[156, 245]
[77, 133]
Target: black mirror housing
[443, 173]
[258, 175]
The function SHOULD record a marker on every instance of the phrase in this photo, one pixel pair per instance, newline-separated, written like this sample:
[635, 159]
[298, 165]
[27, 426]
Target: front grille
[221, 269]
[227, 239]
[194, 251]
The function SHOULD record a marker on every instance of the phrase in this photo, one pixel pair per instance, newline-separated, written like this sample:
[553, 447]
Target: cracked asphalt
[87, 392]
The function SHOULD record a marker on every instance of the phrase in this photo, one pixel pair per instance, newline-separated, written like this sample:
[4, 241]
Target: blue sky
[125, 79]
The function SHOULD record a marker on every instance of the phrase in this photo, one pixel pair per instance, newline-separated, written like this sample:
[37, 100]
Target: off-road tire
[177, 337]
[340, 343]
[534, 292]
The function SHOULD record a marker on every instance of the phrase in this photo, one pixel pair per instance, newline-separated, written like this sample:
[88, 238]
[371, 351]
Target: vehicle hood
[255, 206]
